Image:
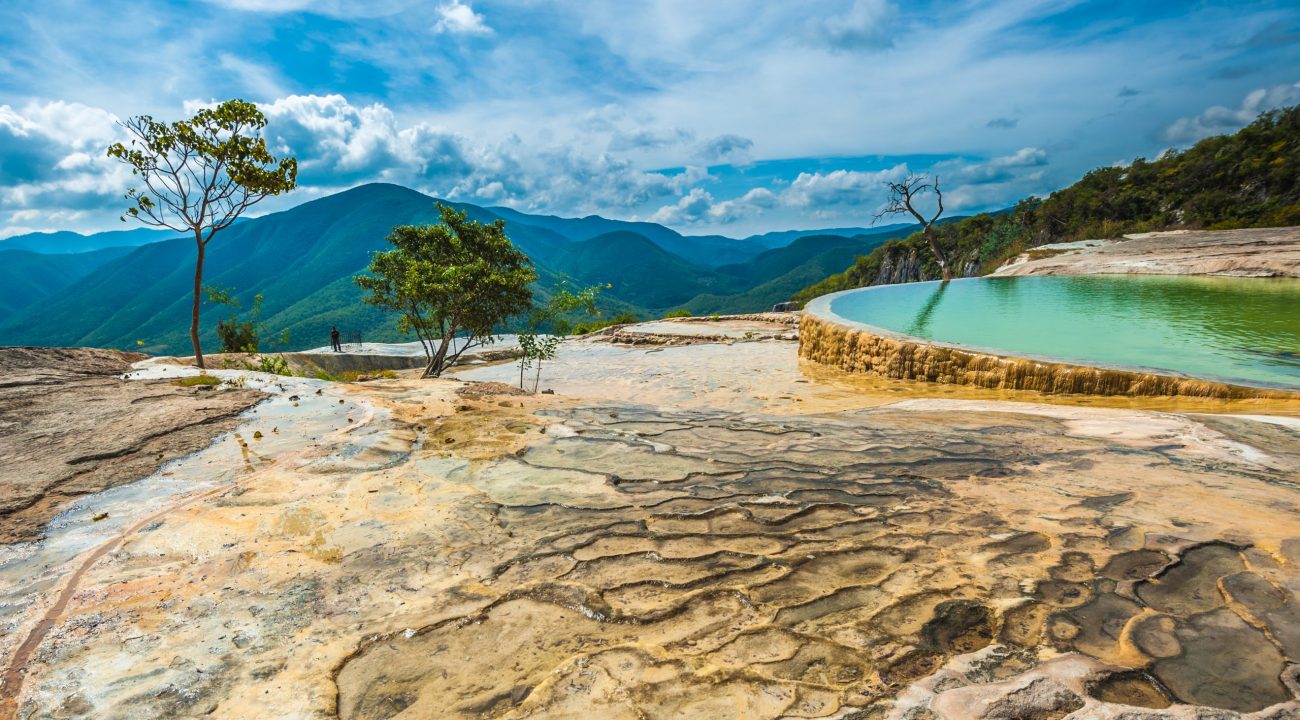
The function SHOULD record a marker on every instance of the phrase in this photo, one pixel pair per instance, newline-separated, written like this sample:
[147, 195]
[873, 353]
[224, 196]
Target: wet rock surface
[451, 552]
[809, 568]
[70, 426]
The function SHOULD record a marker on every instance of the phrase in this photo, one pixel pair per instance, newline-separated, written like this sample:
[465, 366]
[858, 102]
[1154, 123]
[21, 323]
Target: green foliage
[274, 364]
[240, 336]
[237, 336]
[193, 380]
[553, 314]
[591, 326]
[200, 175]
[220, 150]
[1249, 179]
[460, 276]
[678, 313]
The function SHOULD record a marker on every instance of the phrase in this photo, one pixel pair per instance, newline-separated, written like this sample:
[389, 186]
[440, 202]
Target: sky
[709, 116]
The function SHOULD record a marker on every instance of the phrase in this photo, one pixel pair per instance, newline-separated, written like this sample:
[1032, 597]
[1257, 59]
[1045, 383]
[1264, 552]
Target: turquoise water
[1244, 330]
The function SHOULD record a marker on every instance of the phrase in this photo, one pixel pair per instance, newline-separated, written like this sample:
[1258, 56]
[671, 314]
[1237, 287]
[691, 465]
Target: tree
[537, 347]
[460, 276]
[200, 175]
[902, 198]
[241, 336]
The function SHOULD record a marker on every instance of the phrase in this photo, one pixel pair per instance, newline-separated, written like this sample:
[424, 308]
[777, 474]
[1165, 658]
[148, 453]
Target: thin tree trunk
[938, 254]
[198, 297]
[537, 379]
[435, 366]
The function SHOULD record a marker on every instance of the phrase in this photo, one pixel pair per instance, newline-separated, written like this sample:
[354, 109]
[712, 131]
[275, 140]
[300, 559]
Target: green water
[1244, 330]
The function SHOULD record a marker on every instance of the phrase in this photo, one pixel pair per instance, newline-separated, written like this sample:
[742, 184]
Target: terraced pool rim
[818, 349]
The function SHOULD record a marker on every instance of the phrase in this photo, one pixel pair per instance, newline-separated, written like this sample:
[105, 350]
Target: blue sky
[709, 116]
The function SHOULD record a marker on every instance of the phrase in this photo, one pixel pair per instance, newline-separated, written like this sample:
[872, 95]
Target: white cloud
[1219, 120]
[338, 142]
[649, 138]
[729, 148]
[821, 195]
[1024, 157]
[698, 206]
[459, 18]
[866, 25]
[52, 160]
[818, 192]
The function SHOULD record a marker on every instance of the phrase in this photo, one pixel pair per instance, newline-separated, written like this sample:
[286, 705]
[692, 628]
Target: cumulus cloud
[816, 194]
[646, 138]
[819, 192]
[698, 206]
[459, 18]
[53, 164]
[1219, 120]
[726, 148]
[52, 161]
[337, 142]
[1003, 169]
[866, 26]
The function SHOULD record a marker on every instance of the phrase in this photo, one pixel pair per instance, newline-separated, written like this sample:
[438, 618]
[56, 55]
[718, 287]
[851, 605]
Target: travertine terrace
[757, 546]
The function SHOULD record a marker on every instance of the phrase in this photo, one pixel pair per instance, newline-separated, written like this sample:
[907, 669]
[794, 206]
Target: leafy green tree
[200, 175]
[459, 277]
[553, 315]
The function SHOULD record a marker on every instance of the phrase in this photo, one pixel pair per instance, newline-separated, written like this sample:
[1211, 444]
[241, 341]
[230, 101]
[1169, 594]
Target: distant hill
[776, 275]
[782, 238]
[1248, 179]
[706, 250]
[67, 242]
[640, 271]
[302, 261]
[28, 278]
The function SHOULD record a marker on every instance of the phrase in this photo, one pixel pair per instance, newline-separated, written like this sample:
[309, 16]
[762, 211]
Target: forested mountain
[65, 242]
[302, 262]
[1248, 179]
[28, 278]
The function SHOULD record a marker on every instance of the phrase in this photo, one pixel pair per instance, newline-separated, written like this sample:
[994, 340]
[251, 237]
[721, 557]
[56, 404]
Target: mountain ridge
[301, 260]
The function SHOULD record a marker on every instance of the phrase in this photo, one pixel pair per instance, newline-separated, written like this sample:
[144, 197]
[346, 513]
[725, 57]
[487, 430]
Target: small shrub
[678, 313]
[237, 336]
[274, 364]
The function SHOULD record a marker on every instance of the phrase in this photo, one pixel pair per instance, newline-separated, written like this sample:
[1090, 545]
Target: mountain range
[133, 289]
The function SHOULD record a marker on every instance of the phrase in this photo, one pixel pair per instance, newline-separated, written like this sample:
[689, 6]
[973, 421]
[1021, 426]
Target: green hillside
[302, 262]
[1248, 179]
[705, 250]
[641, 272]
[776, 275]
[28, 278]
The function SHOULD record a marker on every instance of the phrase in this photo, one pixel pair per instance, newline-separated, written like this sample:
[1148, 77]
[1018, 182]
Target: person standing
[334, 339]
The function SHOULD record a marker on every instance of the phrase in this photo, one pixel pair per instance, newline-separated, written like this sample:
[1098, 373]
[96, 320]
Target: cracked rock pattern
[696, 564]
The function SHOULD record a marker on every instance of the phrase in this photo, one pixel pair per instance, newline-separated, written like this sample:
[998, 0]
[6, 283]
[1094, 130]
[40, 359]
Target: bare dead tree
[902, 200]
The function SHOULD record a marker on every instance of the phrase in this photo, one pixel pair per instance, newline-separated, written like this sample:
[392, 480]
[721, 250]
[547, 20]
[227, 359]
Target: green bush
[237, 336]
[678, 313]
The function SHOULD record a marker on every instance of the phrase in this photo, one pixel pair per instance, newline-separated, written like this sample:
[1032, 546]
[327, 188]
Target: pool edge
[829, 339]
